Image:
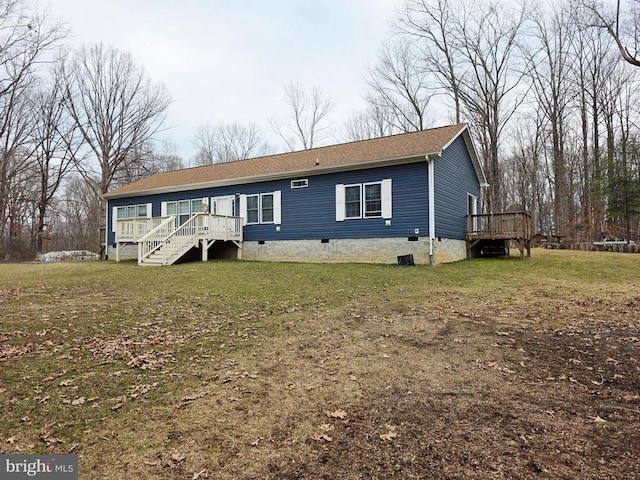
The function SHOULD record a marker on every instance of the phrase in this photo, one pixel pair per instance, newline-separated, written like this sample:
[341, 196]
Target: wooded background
[549, 90]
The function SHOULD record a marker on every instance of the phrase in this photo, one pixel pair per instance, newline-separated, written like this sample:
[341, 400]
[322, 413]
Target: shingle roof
[313, 161]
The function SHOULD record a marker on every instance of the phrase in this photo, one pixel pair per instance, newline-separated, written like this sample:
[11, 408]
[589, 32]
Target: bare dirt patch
[543, 405]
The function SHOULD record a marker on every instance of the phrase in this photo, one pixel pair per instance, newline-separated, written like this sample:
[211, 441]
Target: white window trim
[260, 209]
[364, 200]
[135, 206]
[386, 194]
[243, 208]
[359, 185]
[277, 208]
[247, 222]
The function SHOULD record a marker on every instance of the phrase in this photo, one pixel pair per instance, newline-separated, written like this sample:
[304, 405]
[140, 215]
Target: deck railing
[221, 226]
[173, 242]
[133, 229]
[511, 225]
[153, 240]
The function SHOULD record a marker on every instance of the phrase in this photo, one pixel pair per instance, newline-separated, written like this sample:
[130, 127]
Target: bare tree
[432, 24]
[25, 37]
[80, 211]
[489, 45]
[398, 86]
[550, 54]
[472, 47]
[623, 24]
[115, 105]
[373, 122]
[55, 144]
[148, 159]
[228, 143]
[307, 123]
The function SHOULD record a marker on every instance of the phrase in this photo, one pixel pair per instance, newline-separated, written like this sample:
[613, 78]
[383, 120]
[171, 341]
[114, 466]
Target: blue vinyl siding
[310, 213]
[455, 179]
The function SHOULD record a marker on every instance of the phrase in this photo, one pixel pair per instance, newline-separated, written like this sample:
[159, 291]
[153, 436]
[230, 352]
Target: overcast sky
[229, 60]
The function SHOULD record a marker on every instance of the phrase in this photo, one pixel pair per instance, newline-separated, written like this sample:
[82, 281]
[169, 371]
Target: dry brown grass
[481, 369]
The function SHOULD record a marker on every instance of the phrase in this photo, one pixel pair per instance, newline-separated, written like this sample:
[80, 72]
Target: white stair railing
[183, 238]
[155, 238]
[165, 244]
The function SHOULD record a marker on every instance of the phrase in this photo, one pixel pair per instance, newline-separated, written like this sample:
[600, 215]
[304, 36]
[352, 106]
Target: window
[182, 210]
[352, 201]
[302, 183]
[364, 200]
[130, 212]
[133, 211]
[266, 208]
[261, 208]
[196, 206]
[172, 208]
[253, 209]
[141, 211]
[373, 200]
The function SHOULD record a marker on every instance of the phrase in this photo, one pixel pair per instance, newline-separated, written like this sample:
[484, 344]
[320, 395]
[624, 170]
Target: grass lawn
[239, 370]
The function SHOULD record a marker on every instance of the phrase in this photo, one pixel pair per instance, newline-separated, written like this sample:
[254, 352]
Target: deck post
[205, 249]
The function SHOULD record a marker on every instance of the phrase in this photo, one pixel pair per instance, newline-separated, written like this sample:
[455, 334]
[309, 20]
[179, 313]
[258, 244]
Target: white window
[253, 209]
[183, 210]
[261, 208]
[353, 201]
[130, 212]
[364, 200]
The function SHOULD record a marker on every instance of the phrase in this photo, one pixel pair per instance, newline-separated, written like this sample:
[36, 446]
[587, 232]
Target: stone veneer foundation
[374, 250]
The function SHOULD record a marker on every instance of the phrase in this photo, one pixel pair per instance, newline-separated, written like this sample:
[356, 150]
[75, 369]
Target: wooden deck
[499, 228]
[161, 242]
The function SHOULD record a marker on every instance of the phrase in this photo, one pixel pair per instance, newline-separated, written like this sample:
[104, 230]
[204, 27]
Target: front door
[223, 205]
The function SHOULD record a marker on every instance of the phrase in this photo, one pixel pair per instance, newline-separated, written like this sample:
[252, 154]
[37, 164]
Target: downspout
[432, 208]
[106, 229]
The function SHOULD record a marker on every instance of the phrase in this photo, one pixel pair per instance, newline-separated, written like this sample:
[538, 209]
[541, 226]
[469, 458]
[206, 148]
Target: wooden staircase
[166, 243]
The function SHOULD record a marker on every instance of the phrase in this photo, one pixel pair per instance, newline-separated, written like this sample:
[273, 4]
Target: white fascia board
[277, 176]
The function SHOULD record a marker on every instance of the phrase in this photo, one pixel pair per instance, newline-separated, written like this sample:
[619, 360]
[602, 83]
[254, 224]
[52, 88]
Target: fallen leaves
[322, 434]
[49, 440]
[341, 414]
[597, 419]
[191, 398]
[390, 435]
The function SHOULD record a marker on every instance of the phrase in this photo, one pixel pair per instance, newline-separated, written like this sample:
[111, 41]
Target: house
[364, 201]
